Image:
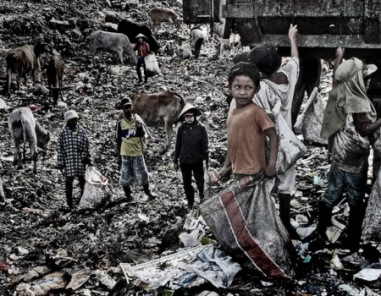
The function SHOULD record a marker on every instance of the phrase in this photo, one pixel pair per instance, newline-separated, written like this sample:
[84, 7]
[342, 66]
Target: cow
[111, 42]
[157, 109]
[22, 60]
[131, 30]
[24, 128]
[160, 15]
[55, 73]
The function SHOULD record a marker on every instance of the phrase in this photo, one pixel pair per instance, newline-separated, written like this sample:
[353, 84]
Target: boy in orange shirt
[248, 126]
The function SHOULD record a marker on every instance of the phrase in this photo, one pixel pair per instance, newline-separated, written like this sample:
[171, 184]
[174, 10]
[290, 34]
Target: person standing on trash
[276, 93]
[73, 154]
[191, 150]
[248, 125]
[198, 36]
[349, 119]
[142, 50]
[129, 150]
[281, 81]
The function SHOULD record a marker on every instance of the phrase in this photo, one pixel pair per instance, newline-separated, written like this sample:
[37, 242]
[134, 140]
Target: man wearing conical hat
[349, 119]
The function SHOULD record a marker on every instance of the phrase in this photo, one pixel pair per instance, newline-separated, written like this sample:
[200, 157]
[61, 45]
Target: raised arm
[339, 58]
[293, 36]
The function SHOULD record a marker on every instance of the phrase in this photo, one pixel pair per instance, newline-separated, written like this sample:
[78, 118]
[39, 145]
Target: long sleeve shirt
[73, 150]
[191, 143]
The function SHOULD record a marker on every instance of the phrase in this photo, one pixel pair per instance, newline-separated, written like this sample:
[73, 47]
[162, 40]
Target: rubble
[46, 249]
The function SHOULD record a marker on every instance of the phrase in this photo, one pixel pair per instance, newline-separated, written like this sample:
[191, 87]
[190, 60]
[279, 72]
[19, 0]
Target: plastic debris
[368, 274]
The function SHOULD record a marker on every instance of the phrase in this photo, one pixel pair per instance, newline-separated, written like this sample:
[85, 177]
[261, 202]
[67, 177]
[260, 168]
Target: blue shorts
[133, 170]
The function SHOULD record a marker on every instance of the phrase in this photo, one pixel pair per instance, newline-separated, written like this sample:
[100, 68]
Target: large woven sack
[245, 222]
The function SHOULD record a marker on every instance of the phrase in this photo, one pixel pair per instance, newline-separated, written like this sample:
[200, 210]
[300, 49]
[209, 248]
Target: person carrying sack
[349, 119]
[73, 154]
[142, 50]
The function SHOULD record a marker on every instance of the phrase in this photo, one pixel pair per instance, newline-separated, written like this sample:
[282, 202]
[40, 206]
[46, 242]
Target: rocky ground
[39, 236]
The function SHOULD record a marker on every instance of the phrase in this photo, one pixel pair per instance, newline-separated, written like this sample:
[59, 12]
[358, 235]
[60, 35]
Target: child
[191, 149]
[73, 154]
[277, 92]
[348, 119]
[143, 50]
[129, 131]
[248, 125]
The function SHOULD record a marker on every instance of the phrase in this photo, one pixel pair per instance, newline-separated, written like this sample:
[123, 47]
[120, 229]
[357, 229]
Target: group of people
[349, 124]
[257, 85]
[142, 49]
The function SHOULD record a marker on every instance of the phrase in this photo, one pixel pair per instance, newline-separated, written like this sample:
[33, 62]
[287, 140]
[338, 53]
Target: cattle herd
[164, 106]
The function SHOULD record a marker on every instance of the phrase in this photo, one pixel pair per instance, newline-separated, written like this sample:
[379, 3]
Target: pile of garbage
[147, 247]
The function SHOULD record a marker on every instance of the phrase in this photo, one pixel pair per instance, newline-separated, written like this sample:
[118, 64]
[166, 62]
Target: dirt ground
[39, 235]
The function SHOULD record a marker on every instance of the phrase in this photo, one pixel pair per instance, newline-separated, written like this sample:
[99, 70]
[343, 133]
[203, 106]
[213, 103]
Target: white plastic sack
[290, 148]
[152, 67]
[95, 192]
[310, 121]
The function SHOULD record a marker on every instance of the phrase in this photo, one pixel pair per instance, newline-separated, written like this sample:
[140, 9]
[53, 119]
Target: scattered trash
[335, 262]
[318, 181]
[78, 279]
[368, 274]
[186, 268]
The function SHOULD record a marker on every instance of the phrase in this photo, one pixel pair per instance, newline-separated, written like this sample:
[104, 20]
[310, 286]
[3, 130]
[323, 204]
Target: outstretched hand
[293, 32]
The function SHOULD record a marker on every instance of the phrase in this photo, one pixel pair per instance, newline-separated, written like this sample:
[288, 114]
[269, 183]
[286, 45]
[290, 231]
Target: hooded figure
[349, 119]
[191, 150]
[348, 96]
[73, 153]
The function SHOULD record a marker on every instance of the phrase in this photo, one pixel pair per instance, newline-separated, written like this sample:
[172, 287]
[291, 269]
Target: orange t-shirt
[246, 139]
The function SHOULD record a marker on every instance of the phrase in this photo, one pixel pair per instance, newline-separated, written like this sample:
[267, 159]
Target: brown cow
[159, 108]
[161, 15]
[22, 60]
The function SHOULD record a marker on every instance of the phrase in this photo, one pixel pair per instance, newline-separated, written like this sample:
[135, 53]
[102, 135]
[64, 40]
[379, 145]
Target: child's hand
[340, 52]
[270, 171]
[293, 32]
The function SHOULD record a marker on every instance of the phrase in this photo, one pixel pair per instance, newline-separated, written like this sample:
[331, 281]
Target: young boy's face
[127, 110]
[243, 90]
